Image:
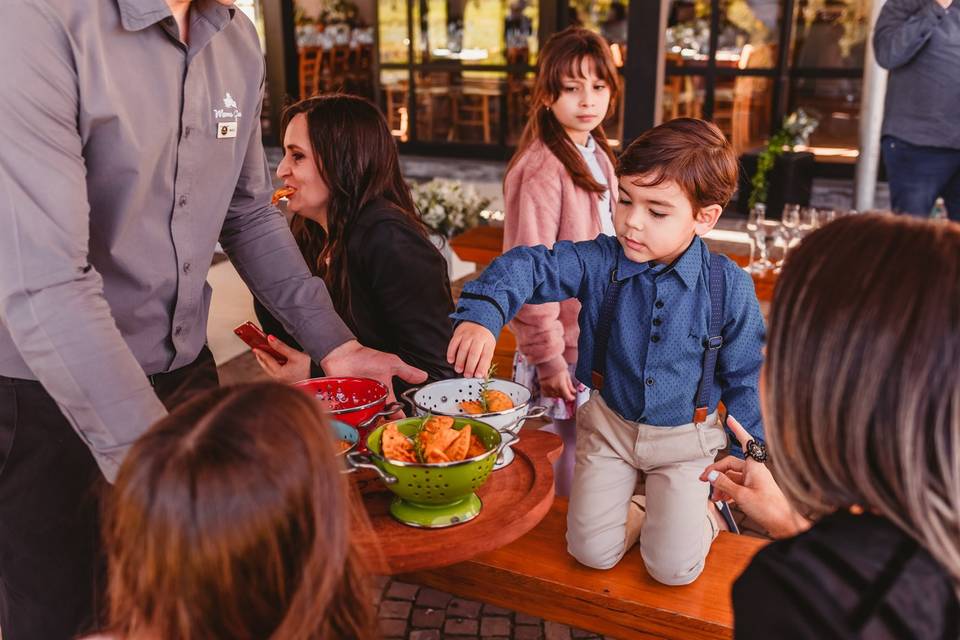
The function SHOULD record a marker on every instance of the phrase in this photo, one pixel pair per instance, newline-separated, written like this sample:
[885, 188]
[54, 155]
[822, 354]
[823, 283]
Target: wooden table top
[536, 575]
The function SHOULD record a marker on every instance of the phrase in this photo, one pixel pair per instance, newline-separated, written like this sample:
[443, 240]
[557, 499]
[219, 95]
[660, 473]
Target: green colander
[434, 495]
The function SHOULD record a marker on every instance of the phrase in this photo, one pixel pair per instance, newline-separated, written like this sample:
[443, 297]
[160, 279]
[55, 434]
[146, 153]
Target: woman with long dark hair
[358, 229]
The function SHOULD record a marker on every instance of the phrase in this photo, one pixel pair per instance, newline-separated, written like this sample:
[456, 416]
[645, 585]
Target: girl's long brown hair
[562, 57]
[231, 520]
[862, 387]
[358, 161]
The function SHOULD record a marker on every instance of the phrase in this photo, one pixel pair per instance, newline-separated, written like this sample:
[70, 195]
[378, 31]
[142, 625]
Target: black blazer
[399, 294]
[847, 577]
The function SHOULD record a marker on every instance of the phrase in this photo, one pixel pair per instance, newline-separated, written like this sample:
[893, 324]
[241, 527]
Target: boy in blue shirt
[667, 330]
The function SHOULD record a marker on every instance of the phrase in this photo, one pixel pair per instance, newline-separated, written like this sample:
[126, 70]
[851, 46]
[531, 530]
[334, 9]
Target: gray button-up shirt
[124, 156]
[919, 42]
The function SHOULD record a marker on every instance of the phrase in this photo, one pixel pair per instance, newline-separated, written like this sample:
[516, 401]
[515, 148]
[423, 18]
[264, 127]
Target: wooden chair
[472, 106]
[309, 71]
[741, 108]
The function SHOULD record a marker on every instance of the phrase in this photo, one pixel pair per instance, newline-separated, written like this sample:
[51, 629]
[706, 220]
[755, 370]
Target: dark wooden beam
[644, 67]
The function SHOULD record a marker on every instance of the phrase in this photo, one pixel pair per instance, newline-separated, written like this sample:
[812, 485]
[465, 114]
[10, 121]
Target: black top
[399, 294]
[847, 577]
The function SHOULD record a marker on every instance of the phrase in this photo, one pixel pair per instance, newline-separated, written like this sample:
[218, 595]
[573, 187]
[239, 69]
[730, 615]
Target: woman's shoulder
[846, 564]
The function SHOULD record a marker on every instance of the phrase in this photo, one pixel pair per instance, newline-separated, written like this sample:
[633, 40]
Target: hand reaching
[471, 349]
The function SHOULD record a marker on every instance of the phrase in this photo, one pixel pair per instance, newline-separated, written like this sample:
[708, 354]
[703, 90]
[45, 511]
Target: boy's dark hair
[691, 152]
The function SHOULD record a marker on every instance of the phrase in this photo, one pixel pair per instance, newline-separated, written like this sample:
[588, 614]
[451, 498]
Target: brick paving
[411, 612]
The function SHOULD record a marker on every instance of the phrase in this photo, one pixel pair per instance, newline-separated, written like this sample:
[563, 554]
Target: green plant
[796, 130]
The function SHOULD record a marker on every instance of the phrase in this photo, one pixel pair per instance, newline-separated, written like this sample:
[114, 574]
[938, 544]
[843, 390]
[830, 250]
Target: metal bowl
[351, 400]
[433, 495]
[443, 398]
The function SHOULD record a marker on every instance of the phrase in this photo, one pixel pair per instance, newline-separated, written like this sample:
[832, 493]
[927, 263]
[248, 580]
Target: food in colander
[396, 446]
[491, 400]
[435, 442]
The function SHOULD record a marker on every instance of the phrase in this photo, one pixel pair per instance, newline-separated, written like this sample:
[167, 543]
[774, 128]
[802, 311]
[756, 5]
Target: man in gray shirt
[919, 42]
[129, 145]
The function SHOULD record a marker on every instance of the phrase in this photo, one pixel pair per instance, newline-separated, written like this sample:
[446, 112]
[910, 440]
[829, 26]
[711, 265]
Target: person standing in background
[918, 41]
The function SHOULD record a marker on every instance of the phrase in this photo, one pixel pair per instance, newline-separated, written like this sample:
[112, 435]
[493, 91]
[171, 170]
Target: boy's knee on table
[675, 571]
[596, 545]
[597, 552]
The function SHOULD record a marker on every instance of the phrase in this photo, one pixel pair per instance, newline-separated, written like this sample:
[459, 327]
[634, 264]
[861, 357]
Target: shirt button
[186, 267]
[186, 132]
[649, 382]
[182, 201]
[658, 304]
[657, 322]
[178, 330]
[654, 338]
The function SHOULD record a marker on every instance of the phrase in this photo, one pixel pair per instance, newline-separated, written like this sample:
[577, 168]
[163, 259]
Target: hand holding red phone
[280, 361]
[255, 339]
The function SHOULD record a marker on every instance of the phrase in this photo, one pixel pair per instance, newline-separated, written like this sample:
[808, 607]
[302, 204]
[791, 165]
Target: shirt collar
[140, 14]
[687, 267]
[590, 146]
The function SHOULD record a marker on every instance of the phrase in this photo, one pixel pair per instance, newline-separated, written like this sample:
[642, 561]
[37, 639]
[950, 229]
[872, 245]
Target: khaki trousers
[677, 531]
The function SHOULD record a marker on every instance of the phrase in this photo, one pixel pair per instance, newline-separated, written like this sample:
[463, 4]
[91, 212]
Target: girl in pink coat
[560, 185]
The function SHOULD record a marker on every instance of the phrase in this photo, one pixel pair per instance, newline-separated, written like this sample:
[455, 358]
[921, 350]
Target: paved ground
[413, 612]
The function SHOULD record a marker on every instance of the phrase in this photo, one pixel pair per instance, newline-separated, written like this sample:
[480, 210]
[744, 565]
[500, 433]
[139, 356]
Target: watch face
[757, 450]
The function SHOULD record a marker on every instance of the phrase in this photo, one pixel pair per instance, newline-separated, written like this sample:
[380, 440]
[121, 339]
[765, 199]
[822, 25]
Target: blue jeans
[918, 175]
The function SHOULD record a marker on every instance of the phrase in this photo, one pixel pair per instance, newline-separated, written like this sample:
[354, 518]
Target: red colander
[350, 400]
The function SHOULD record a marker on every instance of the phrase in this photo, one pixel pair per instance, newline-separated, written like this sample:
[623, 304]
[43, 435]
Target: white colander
[443, 398]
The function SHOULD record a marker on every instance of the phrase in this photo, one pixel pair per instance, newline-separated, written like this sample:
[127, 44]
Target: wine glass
[757, 215]
[766, 234]
[789, 232]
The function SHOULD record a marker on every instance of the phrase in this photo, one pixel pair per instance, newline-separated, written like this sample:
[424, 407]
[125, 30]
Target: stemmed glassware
[759, 230]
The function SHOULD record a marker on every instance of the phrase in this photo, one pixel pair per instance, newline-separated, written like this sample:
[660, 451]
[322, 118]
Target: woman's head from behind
[340, 156]
[861, 384]
[230, 519]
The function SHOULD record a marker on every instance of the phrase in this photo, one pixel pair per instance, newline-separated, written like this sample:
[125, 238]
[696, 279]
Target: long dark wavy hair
[358, 161]
[231, 519]
[562, 56]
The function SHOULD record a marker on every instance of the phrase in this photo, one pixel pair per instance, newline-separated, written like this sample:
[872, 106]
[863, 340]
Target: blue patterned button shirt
[655, 352]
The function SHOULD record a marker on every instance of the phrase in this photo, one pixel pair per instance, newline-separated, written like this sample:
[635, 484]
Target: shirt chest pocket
[694, 344]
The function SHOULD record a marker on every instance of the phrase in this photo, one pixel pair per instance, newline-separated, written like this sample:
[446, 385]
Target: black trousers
[51, 561]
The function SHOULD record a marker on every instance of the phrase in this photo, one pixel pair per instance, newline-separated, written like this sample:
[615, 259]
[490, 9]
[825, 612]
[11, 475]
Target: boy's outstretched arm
[520, 276]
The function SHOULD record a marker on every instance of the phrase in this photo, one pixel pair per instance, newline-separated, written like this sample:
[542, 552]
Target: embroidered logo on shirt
[230, 108]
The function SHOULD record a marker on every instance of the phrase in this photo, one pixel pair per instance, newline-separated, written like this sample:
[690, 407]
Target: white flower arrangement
[447, 206]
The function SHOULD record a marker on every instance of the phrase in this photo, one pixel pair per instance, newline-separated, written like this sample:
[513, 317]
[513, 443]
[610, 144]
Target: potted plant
[449, 208]
[778, 174]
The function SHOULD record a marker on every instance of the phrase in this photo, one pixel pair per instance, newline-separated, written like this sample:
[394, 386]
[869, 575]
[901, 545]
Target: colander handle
[506, 438]
[357, 460]
[386, 412]
[535, 412]
[408, 397]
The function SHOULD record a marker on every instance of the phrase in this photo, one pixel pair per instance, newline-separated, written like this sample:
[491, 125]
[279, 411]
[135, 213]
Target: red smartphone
[254, 337]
